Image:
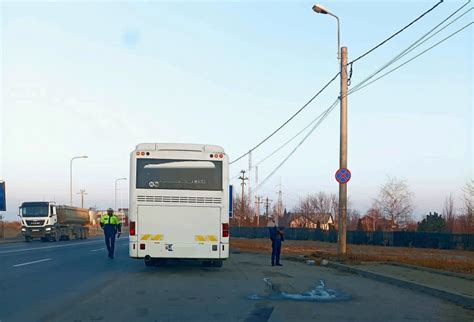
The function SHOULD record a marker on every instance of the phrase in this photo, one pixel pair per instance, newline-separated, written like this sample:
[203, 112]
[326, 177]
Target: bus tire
[217, 263]
[213, 263]
[149, 262]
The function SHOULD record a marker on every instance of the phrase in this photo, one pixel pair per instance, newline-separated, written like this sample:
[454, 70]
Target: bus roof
[179, 147]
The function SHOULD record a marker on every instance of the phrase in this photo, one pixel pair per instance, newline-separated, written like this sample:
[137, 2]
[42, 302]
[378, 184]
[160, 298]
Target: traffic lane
[37, 245]
[70, 271]
[17, 255]
[189, 292]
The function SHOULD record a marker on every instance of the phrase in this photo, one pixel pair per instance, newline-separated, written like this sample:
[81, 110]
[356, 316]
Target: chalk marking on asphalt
[96, 250]
[34, 262]
[49, 247]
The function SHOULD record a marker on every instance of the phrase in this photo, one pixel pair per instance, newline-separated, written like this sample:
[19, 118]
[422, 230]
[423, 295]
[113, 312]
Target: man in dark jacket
[276, 236]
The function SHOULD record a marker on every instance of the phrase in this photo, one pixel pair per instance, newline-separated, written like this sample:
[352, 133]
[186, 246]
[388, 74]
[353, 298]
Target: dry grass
[450, 260]
[11, 229]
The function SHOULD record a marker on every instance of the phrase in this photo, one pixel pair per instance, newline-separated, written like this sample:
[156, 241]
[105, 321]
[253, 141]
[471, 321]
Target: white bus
[179, 203]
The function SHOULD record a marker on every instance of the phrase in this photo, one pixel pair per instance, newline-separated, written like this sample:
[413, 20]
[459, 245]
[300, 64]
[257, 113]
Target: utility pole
[267, 205]
[243, 178]
[280, 203]
[250, 179]
[258, 202]
[342, 214]
[82, 193]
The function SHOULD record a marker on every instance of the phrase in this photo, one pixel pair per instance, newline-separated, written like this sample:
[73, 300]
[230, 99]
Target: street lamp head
[320, 9]
[84, 157]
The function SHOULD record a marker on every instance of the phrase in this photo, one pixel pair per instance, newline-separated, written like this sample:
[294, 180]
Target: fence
[381, 238]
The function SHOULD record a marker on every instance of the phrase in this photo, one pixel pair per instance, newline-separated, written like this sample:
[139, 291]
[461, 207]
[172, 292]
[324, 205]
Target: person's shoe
[278, 264]
[273, 264]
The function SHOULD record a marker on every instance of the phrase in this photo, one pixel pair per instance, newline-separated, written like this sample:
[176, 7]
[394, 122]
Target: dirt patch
[450, 260]
[11, 229]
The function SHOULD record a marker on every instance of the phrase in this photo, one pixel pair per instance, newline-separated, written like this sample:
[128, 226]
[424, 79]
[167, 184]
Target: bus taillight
[132, 228]
[225, 230]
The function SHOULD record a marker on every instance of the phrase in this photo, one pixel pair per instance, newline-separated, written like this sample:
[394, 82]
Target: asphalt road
[75, 281]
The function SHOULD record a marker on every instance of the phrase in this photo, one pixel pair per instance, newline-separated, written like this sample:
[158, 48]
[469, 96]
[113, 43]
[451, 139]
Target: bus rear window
[179, 174]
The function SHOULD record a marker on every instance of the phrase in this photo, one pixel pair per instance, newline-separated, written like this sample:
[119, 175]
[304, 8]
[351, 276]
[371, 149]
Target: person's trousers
[276, 250]
[110, 243]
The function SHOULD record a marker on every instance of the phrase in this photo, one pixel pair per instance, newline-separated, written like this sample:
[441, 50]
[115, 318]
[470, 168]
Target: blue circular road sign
[343, 175]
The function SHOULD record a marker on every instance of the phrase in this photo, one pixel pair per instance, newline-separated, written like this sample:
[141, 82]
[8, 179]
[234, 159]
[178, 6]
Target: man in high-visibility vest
[112, 227]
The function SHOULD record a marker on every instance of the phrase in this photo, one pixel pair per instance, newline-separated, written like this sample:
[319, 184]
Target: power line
[413, 58]
[395, 34]
[326, 113]
[335, 76]
[294, 137]
[335, 103]
[287, 121]
[413, 46]
[361, 84]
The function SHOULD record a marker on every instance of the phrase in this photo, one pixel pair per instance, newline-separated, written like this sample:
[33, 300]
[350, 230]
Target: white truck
[51, 222]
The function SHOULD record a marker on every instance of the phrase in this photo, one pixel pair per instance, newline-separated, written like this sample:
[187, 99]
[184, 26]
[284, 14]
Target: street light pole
[70, 176]
[342, 213]
[115, 202]
[342, 56]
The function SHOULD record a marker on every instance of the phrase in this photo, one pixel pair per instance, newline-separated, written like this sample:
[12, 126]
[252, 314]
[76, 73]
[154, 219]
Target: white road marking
[50, 247]
[96, 250]
[34, 262]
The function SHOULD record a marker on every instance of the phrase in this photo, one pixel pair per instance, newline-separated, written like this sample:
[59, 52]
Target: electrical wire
[335, 103]
[286, 143]
[290, 140]
[326, 113]
[287, 121]
[395, 34]
[413, 58]
[363, 84]
[413, 46]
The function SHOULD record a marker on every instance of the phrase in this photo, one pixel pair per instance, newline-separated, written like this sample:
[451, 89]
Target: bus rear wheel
[213, 263]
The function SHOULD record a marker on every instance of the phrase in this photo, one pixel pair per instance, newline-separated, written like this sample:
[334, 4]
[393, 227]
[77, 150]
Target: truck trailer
[50, 222]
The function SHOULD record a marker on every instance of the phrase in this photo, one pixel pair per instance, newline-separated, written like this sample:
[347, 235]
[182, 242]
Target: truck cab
[51, 222]
[38, 219]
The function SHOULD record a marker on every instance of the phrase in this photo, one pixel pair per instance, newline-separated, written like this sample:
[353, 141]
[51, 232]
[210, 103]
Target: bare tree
[448, 212]
[353, 216]
[467, 217]
[395, 201]
[242, 216]
[312, 208]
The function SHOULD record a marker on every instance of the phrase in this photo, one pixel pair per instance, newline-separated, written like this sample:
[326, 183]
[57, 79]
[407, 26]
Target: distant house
[325, 221]
[371, 223]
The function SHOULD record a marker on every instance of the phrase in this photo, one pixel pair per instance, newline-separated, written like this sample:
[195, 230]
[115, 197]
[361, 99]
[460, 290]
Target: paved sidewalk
[451, 287]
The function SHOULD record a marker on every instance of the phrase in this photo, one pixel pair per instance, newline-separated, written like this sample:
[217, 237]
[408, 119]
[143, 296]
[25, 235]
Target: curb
[433, 270]
[465, 301]
[11, 241]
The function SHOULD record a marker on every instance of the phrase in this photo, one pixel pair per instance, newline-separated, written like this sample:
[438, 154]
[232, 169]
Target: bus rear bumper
[162, 249]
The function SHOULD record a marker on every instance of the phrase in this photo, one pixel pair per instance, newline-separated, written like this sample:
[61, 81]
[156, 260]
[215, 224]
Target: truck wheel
[28, 239]
[57, 236]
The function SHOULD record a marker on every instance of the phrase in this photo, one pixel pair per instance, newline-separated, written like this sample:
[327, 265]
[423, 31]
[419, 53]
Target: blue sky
[97, 78]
